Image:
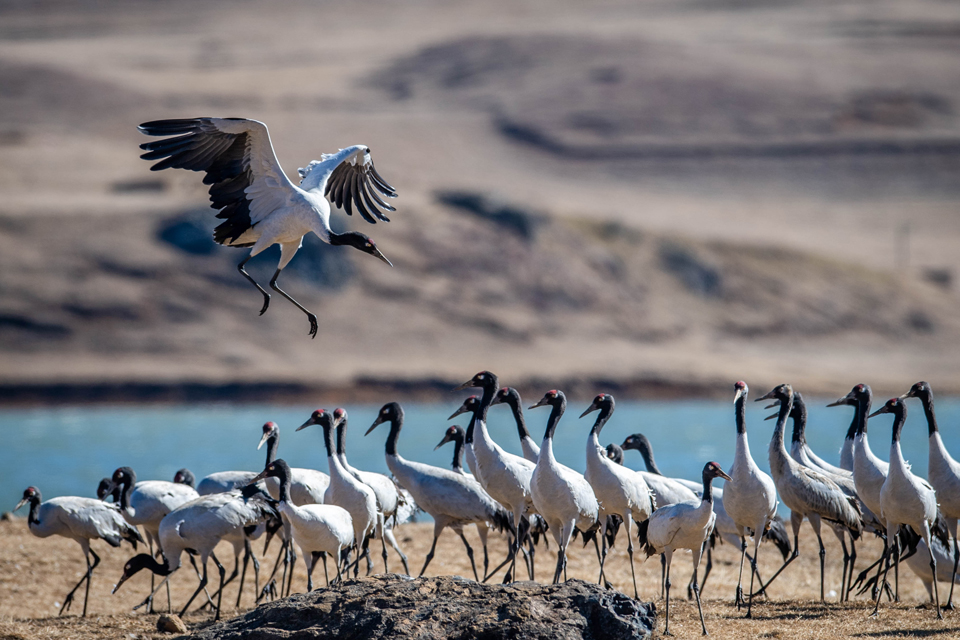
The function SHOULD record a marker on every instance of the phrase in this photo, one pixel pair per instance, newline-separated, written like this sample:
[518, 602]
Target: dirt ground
[36, 574]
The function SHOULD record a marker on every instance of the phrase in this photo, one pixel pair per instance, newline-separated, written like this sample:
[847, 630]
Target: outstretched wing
[355, 181]
[247, 183]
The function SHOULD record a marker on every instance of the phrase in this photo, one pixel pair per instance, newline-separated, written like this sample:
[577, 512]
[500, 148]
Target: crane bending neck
[521, 422]
[927, 400]
[552, 422]
[396, 423]
[602, 417]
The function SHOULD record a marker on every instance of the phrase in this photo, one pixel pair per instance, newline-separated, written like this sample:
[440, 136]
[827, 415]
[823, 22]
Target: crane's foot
[266, 303]
[314, 327]
[739, 598]
[66, 604]
[269, 590]
[948, 606]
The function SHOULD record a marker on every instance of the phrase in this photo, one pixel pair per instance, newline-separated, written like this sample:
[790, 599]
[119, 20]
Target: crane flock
[335, 514]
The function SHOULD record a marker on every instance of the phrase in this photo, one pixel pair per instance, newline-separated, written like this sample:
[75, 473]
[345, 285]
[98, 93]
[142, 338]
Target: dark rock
[512, 218]
[446, 607]
[171, 624]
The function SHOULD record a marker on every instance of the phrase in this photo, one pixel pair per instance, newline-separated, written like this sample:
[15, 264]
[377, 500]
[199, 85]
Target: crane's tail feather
[642, 528]
[500, 519]
[939, 529]
[777, 532]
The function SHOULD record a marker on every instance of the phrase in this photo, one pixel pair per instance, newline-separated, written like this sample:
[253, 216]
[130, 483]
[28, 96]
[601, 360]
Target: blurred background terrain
[655, 197]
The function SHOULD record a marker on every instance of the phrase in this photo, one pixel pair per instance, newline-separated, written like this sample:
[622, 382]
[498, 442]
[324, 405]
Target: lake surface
[66, 450]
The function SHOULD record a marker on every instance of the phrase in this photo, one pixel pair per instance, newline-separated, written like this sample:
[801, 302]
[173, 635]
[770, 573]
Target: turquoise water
[66, 450]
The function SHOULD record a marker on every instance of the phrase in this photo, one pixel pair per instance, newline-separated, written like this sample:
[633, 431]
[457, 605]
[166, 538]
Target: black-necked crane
[471, 406]
[906, 499]
[869, 471]
[561, 496]
[511, 397]
[614, 453]
[345, 490]
[804, 491]
[316, 528]
[751, 498]
[618, 490]
[452, 499]
[673, 490]
[197, 527]
[506, 477]
[943, 473]
[682, 526]
[185, 476]
[800, 452]
[146, 503]
[388, 496]
[82, 520]
[457, 435]
[259, 205]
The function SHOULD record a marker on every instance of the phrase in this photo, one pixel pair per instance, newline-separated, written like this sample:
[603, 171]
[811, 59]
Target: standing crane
[806, 492]
[751, 497]
[682, 526]
[452, 499]
[259, 205]
[456, 435]
[388, 497]
[618, 490]
[504, 476]
[316, 528]
[562, 496]
[345, 490]
[943, 473]
[907, 499]
[82, 520]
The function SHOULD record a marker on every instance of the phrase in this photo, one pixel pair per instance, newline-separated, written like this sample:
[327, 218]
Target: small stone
[171, 624]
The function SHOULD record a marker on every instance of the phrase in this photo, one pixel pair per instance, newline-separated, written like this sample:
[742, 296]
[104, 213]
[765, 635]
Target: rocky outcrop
[446, 607]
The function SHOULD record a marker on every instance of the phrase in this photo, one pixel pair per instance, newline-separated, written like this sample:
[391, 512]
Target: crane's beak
[258, 478]
[496, 400]
[378, 254]
[21, 503]
[308, 423]
[266, 436]
[374, 425]
[466, 385]
[445, 440]
[769, 395]
[462, 409]
[772, 405]
[592, 407]
[542, 403]
[845, 400]
[772, 416]
[908, 394]
[120, 582]
[723, 475]
[877, 412]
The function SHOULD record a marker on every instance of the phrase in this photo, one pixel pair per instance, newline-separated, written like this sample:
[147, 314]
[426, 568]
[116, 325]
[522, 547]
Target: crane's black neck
[146, 561]
[647, 452]
[518, 416]
[34, 516]
[488, 392]
[473, 423]
[707, 487]
[554, 420]
[396, 423]
[863, 412]
[740, 410]
[272, 443]
[605, 412]
[457, 463]
[927, 399]
[899, 418]
[283, 475]
[786, 406]
[130, 479]
[799, 415]
[328, 440]
[342, 438]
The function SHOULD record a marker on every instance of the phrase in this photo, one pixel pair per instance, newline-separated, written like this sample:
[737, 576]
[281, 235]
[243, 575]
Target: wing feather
[247, 182]
[355, 179]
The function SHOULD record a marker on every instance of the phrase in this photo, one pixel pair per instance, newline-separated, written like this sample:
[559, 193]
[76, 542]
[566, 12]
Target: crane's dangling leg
[311, 317]
[243, 272]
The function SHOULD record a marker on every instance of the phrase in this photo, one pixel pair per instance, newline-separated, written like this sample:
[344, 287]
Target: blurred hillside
[657, 197]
